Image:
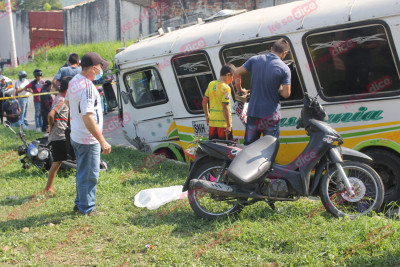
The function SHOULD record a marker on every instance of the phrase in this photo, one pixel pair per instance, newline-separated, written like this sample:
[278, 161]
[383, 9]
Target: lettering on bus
[200, 128]
[363, 114]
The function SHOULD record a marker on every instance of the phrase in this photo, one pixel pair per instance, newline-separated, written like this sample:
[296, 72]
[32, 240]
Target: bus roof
[261, 23]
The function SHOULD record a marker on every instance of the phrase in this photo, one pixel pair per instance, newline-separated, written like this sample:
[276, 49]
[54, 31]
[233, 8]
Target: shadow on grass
[25, 174]
[391, 258]
[34, 221]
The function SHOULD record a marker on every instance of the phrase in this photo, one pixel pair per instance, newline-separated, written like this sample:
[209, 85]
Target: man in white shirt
[21, 90]
[86, 130]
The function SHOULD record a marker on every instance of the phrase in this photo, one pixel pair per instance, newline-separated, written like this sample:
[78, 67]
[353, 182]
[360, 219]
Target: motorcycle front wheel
[366, 183]
[210, 206]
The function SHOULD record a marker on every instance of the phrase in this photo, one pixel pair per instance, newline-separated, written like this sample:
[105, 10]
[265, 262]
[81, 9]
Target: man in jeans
[270, 77]
[20, 90]
[87, 139]
[35, 87]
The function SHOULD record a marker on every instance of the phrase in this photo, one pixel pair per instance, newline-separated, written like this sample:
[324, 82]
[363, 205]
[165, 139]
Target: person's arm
[94, 130]
[237, 78]
[50, 119]
[227, 116]
[205, 109]
[285, 90]
[26, 88]
[19, 90]
[54, 83]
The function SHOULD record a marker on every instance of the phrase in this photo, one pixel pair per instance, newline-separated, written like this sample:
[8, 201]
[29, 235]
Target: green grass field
[57, 56]
[47, 233]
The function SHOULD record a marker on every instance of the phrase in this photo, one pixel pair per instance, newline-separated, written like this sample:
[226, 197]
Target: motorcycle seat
[254, 160]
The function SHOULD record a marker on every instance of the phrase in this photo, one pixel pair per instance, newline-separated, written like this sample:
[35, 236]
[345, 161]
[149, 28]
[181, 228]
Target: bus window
[353, 61]
[193, 73]
[239, 54]
[145, 88]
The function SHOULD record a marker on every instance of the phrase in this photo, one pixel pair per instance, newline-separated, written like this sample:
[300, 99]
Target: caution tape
[13, 97]
[49, 93]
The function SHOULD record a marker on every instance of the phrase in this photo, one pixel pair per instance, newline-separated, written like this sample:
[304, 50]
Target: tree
[47, 7]
[14, 5]
[39, 4]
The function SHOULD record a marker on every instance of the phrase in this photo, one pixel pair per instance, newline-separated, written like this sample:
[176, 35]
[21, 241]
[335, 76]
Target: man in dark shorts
[57, 119]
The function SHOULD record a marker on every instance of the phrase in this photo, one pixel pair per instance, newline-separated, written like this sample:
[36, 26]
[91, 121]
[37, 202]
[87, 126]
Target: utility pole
[14, 62]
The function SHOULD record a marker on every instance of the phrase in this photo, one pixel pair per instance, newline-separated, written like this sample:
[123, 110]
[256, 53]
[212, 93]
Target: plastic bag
[153, 198]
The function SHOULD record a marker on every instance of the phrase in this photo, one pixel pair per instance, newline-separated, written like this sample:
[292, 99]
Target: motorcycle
[224, 178]
[38, 154]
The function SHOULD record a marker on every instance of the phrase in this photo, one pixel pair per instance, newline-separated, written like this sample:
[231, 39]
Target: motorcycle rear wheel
[366, 183]
[210, 206]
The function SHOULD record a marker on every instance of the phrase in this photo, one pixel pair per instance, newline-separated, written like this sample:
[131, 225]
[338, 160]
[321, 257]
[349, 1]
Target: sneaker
[39, 129]
[94, 212]
[76, 209]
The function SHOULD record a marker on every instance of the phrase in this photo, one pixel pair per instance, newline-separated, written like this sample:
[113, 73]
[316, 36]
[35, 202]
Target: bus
[344, 52]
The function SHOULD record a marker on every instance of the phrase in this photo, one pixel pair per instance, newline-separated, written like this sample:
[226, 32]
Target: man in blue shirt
[270, 77]
[72, 69]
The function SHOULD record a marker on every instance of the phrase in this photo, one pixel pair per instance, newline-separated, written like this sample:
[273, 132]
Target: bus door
[152, 113]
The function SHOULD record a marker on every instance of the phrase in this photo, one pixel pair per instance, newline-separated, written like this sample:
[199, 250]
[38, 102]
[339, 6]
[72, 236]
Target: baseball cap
[92, 59]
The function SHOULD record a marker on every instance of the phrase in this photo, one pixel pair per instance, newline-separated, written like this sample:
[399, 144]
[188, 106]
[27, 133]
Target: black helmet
[22, 74]
[37, 72]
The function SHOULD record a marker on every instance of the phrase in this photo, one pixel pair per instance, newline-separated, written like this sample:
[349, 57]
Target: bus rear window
[193, 73]
[353, 61]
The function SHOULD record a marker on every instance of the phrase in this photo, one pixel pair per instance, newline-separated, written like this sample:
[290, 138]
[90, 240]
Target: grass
[57, 56]
[285, 237]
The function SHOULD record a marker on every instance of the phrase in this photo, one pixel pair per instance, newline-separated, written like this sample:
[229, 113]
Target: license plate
[200, 128]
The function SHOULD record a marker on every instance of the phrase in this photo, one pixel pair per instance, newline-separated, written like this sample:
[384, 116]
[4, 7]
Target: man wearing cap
[87, 139]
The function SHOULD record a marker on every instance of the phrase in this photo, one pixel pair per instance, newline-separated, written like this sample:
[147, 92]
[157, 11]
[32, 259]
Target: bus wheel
[387, 165]
[165, 152]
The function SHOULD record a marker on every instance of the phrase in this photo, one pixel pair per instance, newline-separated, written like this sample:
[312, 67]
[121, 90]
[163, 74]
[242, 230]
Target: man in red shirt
[35, 87]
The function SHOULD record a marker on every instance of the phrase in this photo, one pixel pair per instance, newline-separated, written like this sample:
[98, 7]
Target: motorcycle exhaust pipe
[229, 191]
[221, 189]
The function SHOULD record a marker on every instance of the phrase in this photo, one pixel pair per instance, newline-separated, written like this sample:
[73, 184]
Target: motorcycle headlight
[33, 151]
[43, 154]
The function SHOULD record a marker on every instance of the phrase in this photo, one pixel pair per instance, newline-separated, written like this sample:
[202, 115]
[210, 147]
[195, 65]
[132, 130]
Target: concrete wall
[21, 32]
[120, 19]
[143, 17]
[83, 24]
[136, 21]
[176, 14]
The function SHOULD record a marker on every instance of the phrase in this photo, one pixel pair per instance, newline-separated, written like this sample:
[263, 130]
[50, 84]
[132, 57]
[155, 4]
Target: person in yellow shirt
[216, 105]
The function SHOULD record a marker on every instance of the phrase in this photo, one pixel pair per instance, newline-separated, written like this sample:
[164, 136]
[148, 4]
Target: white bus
[344, 52]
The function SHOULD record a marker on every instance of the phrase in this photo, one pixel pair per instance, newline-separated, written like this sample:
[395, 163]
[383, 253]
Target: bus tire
[165, 152]
[387, 165]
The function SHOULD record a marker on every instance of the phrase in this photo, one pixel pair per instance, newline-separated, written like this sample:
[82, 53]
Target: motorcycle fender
[351, 154]
[193, 166]
[334, 155]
